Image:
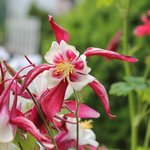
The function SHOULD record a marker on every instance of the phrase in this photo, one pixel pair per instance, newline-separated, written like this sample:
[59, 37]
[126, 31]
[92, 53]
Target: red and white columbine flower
[67, 66]
[68, 70]
[10, 120]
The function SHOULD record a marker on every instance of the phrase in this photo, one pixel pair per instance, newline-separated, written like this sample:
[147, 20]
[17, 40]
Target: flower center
[65, 68]
[87, 124]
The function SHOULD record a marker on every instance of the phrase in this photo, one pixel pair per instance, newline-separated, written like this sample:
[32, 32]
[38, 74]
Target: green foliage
[120, 89]
[131, 84]
[142, 148]
[136, 84]
[104, 3]
[26, 142]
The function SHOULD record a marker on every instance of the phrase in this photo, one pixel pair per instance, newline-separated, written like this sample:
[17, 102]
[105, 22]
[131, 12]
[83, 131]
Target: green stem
[147, 136]
[146, 72]
[127, 69]
[77, 117]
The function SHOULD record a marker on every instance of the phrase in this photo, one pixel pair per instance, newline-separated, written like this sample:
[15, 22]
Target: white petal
[86, 69]
[5, 146]
[40, 84]
[8, 146]
[64, 47]
[14, 147]
[90, 138]
[54, 50]
[82, 81]
[69, 92]
[4, 55]
[51, 81]
[71, 129]
[6, 133]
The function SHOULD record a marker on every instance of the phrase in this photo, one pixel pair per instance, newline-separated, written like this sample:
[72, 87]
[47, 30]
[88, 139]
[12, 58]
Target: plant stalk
[134, 131]
[147, 136]
[77, 117]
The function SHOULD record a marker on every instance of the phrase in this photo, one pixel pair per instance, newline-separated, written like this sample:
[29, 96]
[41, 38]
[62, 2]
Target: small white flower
[86, 135]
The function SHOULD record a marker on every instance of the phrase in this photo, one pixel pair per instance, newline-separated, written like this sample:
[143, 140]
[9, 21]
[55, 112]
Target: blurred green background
[92, 24]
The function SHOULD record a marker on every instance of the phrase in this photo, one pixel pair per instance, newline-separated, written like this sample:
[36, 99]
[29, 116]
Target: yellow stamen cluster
[65, 68]
[87, 124]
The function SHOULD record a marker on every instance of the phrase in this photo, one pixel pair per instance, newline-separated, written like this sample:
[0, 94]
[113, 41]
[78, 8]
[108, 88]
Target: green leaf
[137, 83]
[25, 141]
[120, 89]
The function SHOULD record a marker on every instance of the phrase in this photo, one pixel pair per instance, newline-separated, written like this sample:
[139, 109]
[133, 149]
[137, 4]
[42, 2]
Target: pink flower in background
[143, 29]
[114, 42]
[68, 71]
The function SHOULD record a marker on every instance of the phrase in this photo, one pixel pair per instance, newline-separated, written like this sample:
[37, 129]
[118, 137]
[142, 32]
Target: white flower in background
[8, 146]
[4, 55]
[86, 135]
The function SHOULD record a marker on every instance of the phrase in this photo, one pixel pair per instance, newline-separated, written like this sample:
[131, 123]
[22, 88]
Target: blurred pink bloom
[114, 42]
[68, 70]
[143, 29]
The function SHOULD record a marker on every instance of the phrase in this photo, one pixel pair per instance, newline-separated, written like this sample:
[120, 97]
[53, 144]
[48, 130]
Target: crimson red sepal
[91, 51]
[35, 118]
[52, 100]
[23, 94]
[83, 109]
[59, 32]
[32, 74]
[102, 94]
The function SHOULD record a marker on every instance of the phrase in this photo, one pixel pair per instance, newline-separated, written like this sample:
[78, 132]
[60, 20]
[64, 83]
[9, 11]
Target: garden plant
[41, 106]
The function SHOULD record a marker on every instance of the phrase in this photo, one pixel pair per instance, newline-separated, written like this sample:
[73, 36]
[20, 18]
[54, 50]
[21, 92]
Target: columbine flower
[10, 120]
[67, 66]
[68, 70]
[67, 139]
[144, 29]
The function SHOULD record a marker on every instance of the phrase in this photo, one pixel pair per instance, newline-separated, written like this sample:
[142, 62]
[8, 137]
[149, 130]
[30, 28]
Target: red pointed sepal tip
[111, 116]
[60, 33]
[99, 89]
